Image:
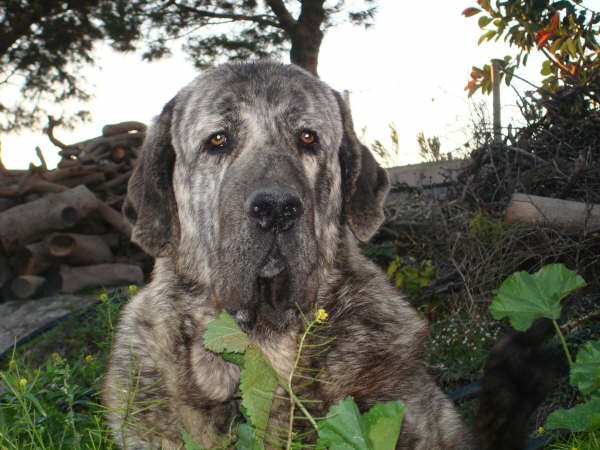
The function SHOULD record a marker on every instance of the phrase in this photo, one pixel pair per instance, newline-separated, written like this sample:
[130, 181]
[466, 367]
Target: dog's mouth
[273, 280]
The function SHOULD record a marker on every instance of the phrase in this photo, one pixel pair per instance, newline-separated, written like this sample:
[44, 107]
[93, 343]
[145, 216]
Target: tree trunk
[306, 35]
[306, 44]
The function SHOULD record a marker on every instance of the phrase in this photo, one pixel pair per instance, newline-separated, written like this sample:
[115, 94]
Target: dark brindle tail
[518, 376]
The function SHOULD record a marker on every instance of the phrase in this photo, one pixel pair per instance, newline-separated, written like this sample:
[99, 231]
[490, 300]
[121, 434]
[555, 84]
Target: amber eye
[308, 137]
[218, 140]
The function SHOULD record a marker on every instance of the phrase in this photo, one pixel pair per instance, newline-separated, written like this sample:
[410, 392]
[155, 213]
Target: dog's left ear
[364, 183]
[150, 202]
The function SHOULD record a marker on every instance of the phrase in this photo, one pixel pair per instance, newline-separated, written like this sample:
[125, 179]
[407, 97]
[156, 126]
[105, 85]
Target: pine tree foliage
[44, 44]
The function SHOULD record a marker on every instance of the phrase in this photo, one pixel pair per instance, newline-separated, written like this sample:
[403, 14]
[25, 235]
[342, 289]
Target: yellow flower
[541, 430]
[133, 288]
[89, 358]
[103, 297]
[321, 316]
[22, 382]
[55, 355]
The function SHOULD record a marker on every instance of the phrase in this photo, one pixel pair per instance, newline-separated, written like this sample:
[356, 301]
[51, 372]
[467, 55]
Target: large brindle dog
[252, 191]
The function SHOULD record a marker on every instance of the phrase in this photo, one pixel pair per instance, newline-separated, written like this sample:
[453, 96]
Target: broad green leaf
[224, 335]
[344, 428]
[525, 298]
[585, 371]
[247, 439]
[258, 381]
[189, 442]
[582, 417]
[234, 357]
[383, 422]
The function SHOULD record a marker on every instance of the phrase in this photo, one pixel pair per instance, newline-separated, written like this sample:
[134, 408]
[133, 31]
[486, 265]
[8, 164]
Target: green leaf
[188, 440]
[344, 428]
[484, 21]
[383, 422]
[258, 381]
[247, 439]
[35, 403]
[585, 371]
[582, 417]
[489, 35]
[234, 357]
[525, 298]
[223, 335]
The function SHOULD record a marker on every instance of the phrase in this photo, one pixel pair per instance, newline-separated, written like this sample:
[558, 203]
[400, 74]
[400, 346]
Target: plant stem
[563, 342]
[294, 400]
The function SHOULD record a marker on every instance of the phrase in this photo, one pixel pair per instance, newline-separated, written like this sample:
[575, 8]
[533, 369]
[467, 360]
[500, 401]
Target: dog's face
[246, 180]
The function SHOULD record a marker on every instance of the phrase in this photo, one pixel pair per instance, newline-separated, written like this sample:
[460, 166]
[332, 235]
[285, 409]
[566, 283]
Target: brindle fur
[190, 209]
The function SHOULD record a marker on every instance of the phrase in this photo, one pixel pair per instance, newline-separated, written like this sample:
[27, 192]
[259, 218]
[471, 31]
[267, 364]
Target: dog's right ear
[150, 202]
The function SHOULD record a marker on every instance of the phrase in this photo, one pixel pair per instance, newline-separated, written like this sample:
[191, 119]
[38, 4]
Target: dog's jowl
[252, 192]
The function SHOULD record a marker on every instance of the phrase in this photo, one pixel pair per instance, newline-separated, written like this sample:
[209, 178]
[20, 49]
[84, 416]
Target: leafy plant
[343, 427]
[564, 31]
[524, 298]
[410, 278]
[489, 231]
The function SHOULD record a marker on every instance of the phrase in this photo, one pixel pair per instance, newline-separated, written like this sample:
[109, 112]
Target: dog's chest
[281, 353]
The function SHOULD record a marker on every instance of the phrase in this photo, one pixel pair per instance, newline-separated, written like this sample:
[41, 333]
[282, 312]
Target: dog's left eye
[308, 138]
[218, 141]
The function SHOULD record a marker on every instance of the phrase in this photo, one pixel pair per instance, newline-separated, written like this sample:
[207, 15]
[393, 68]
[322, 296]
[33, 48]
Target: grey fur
[192, 208]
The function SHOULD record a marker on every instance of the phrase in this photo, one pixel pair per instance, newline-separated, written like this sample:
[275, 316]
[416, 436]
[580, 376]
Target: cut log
[114, 218]
[26, 286]
[5, 270]
[22, 224]
[33, 259]
[71, 279]
[79, 249]
[31, 184]
[123, 127]
[88, 180]
[568, 215]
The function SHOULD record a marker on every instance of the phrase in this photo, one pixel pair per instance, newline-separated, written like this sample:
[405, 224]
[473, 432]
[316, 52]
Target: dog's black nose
[275, 210]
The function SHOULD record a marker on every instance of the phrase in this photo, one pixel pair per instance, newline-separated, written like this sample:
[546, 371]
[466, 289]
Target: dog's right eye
[217, 141]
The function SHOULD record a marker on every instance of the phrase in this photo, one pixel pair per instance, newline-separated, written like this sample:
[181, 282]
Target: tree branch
[52, 122]
[286, 20]
[262, 19]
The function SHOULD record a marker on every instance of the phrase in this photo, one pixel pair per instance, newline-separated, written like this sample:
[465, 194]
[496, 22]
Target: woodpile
[61, 230]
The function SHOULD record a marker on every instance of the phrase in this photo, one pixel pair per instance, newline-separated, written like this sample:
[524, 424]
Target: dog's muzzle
[275, 209]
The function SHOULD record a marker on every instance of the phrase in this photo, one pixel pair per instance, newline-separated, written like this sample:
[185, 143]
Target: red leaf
[554, 21]
[470, 84]
[471, 12]
[542, 36]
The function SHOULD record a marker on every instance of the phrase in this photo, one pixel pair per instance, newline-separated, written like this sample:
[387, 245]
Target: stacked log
[61, 230]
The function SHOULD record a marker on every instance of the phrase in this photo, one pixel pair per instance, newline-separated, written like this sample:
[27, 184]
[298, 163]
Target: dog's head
[245, 182]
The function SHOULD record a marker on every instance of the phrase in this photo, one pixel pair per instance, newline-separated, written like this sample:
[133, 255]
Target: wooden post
[346, 97]
[496, 99]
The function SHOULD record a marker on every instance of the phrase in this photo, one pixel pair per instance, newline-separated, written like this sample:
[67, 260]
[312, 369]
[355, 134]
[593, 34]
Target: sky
[410, 68]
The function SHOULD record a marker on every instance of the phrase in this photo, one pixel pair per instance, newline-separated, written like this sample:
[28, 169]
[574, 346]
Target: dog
[253, 192]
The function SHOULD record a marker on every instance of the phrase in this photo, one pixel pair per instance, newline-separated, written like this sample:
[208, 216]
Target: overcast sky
[410, 68]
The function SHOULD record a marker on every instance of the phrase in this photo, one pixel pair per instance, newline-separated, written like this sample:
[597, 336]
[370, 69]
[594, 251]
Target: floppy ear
[150, 202]
[364, 183]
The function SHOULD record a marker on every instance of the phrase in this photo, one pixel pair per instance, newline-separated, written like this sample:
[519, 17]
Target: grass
[50, 386]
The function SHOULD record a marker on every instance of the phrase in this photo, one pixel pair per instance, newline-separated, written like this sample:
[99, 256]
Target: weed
[51, 402]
